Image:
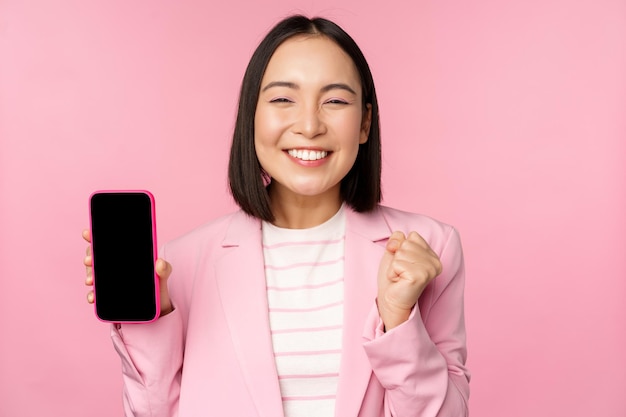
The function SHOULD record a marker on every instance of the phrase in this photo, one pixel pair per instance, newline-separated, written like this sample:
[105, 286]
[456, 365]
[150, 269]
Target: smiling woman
[313, 299]
[360, 188]
[318, 111]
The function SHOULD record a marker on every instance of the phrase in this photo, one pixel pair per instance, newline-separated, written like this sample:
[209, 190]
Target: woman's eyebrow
[294, 86]
[338, 86]
[281, 84]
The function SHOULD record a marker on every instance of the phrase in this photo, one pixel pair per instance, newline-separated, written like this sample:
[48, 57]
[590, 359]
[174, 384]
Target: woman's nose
[309, 122]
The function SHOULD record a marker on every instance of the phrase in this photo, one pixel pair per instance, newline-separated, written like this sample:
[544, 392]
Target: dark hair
[360, 188]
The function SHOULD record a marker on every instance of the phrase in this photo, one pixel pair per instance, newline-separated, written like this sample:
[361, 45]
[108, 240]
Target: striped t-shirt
[304, 274]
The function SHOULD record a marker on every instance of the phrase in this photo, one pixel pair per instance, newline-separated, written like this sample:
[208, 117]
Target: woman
[312, 300]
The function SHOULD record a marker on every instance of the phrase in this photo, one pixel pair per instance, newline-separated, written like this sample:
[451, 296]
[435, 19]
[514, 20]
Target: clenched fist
[406, 268]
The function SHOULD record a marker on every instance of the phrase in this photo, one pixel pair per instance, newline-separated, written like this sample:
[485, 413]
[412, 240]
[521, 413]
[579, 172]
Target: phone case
[154, 252]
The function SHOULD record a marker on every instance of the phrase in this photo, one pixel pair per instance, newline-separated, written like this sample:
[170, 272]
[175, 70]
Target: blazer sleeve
[152, 359]
[421, 363]
[152, 356]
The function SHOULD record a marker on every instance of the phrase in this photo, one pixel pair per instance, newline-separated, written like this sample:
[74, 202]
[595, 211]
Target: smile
[307, 155]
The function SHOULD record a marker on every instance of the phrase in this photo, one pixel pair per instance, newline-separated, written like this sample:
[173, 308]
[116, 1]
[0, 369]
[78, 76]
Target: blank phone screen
[123, 256]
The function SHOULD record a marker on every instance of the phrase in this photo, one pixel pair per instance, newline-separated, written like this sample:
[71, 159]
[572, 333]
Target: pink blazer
[212, 356]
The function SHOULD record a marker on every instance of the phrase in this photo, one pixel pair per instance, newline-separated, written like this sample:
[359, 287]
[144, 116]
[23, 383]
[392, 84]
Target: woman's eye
[280, 100]
[336, 101]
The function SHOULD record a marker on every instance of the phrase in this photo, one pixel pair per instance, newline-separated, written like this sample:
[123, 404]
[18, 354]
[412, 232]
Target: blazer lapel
[241, 284]
[363, 251]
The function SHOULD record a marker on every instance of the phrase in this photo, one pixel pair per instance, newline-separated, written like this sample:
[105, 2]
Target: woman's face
[309, 119]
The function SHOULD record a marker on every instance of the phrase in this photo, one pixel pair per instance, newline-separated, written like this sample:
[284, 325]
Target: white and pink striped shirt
[304, 275]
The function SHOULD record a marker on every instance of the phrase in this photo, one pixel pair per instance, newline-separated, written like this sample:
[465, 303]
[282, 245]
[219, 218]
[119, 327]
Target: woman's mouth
[307, 154]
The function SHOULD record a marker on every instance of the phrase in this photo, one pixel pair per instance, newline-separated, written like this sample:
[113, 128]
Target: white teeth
[307, 155]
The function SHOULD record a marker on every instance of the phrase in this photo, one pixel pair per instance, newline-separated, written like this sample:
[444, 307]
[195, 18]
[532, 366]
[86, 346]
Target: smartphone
[124, 251]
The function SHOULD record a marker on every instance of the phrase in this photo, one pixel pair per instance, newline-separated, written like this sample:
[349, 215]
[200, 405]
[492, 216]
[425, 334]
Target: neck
[303, 212]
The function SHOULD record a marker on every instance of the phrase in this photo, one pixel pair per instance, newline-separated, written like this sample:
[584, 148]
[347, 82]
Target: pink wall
[503, 118]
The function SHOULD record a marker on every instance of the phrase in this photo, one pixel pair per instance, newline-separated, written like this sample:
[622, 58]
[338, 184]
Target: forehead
[311, 58]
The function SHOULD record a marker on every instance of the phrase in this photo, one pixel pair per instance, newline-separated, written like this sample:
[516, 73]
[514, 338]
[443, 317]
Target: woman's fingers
[88, 262]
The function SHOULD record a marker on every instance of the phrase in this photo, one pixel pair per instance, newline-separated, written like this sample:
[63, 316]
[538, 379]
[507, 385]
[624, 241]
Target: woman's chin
[307, 190]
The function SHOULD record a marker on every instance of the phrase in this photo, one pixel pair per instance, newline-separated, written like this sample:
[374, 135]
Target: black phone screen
[123, 254]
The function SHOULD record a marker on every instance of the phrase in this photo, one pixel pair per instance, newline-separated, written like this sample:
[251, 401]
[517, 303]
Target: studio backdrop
[506, 119]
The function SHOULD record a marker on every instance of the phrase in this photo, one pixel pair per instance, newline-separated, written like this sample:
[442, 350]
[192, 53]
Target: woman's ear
[365, 124]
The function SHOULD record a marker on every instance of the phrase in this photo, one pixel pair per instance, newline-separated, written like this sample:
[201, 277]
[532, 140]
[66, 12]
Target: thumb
[163, 269]
[395, 241]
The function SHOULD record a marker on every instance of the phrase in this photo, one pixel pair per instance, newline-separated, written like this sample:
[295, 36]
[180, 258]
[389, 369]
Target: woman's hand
[406, 268]
[163, 270]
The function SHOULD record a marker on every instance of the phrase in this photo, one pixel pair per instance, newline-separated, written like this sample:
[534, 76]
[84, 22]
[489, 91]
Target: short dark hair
[360, 188]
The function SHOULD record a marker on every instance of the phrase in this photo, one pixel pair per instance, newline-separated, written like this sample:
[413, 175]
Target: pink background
[506, 119]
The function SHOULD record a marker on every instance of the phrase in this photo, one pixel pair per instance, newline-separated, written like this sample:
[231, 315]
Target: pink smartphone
[124, 251]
